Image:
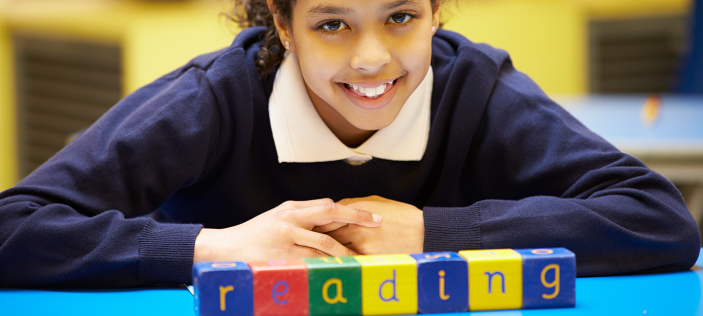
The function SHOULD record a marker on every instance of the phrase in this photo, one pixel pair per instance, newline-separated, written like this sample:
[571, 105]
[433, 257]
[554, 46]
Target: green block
[335, 286]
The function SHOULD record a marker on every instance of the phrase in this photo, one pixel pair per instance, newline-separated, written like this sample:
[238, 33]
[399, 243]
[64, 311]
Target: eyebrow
[327, 9]
[398, 3]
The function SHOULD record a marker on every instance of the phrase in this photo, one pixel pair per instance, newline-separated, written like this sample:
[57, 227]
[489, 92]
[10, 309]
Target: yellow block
[388, 284]
[495, 279]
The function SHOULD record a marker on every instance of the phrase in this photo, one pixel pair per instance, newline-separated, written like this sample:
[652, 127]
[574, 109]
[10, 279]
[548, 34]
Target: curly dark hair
[248, 13]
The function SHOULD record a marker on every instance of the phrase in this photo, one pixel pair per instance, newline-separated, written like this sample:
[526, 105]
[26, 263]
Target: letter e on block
[549, 277]
[280, 287]
[223, 288]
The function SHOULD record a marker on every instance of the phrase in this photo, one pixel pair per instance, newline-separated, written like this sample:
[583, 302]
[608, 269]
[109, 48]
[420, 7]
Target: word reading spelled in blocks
[442, 282]
[388, 284]
[549, 277]
[495, 279]
[280, 287]
[223, 288]
[334, 286]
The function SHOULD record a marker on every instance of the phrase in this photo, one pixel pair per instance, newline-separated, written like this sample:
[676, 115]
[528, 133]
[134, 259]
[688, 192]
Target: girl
[318, 101]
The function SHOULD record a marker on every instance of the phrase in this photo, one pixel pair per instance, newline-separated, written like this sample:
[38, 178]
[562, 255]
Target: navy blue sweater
[505, 167]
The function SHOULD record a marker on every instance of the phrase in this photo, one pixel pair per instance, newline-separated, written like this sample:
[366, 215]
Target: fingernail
[377, 218]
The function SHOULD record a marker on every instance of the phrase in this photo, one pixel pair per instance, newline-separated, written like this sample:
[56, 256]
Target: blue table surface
[618, 119]
[677, 293]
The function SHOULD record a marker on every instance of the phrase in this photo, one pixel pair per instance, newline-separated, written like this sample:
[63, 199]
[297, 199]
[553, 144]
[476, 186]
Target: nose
[370, 53]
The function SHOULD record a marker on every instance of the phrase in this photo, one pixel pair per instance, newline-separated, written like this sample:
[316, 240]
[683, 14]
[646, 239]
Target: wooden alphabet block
[223, 288]
[442, 282]
[334, 286]
[280, 287]
[388, 284]
[495, 279]
[549, 277]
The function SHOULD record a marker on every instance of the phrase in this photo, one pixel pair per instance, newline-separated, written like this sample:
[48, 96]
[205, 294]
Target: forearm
[612, 234]
[53, 245]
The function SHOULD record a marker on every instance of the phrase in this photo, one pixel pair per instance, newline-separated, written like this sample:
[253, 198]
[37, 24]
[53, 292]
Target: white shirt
[301, 135]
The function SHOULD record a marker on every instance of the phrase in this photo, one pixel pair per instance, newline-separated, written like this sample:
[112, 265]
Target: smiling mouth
[371, 93]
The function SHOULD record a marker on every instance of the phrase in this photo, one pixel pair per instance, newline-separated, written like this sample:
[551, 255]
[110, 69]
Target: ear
[435, 18]
[283, 28]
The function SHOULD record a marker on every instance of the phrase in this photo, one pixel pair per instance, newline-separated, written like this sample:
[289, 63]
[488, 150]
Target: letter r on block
[223, 293]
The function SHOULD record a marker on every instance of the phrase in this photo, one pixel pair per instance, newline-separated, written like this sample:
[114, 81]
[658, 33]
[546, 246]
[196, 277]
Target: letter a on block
[495, 279]
[334, 286]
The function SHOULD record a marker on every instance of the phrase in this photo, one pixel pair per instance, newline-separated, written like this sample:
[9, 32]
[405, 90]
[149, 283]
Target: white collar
[301, 135]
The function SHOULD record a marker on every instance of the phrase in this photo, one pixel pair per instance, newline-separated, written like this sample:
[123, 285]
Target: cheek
[415, 57]
[319, 66]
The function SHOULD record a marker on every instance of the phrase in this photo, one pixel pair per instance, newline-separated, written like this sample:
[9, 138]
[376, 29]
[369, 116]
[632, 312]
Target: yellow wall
[547, 39]
[156, 38]
[8, 174]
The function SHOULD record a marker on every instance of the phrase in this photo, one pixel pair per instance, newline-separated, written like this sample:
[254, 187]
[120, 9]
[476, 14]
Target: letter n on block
[442, 283]
[335, 286]
[549, 277]
[388, 284]
[495, 279]
[280, 287]
[223, 288]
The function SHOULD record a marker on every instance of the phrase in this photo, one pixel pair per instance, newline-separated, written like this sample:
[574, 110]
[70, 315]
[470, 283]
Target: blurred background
[631, 70]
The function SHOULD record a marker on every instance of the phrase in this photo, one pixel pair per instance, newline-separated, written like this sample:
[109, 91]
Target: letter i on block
[549, 277]
[442, 283]
[334, 286]
[495, 279]
[280, 287]
[223, 288]
[388, 284]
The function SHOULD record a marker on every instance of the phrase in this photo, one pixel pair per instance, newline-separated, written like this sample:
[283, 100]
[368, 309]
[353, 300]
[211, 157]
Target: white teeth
[380, 89]
[372, 92]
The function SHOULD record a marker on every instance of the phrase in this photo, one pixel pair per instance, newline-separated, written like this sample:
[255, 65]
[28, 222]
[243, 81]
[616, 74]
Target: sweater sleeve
[536, 177]
[78, 220]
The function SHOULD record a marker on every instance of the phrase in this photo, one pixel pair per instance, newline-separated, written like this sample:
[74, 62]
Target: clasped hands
[317, 228]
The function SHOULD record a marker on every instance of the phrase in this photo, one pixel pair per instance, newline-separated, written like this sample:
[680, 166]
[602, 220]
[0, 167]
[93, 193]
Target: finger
[328, 213]
[373, 198]
[291, 205]
[322, 243]
[344, 235]
[307, 252]
[329, 227]
[348, 201]
[353, 248]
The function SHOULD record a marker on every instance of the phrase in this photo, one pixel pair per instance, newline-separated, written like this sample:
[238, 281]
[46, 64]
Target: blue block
[223, 288]
[549, 277]
[442, 282]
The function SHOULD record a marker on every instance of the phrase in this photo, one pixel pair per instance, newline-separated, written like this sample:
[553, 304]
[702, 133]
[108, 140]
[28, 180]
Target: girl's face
[362, 58]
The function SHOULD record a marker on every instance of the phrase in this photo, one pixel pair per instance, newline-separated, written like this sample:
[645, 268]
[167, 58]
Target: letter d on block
[392, 283]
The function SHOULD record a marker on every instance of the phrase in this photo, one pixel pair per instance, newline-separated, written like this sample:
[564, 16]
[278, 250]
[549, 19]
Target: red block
[280, 287]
